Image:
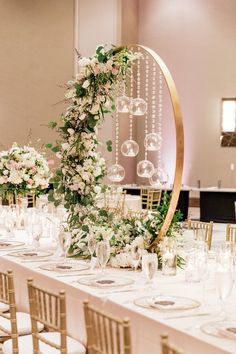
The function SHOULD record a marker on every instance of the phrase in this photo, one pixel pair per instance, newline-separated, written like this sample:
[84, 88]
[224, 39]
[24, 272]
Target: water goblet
[92, 242]
[224, 277]
[36, 234]
[149, 266]
[103, 253]
[65, 242]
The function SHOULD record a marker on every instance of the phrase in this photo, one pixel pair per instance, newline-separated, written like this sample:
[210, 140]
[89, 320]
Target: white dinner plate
[167, 303]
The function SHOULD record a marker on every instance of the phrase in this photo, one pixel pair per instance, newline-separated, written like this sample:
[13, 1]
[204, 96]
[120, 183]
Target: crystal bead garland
[130, 148]
[116, 172]
[152, 141]
[145, 167]
[159, 176]
[138, 107]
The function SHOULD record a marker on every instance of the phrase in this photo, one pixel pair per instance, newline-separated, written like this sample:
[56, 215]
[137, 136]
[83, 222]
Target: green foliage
[109, 145]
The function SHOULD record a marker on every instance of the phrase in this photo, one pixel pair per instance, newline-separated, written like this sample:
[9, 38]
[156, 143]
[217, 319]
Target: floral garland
[22, 170]
[91, 95]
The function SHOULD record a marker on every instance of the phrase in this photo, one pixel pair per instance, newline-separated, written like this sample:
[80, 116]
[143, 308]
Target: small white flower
[86, 84]
[84, 61]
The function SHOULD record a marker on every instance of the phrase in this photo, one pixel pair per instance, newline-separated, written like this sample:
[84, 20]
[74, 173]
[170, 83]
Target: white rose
[84, 61]
[86, 84]
[71, 131]
[65, 146]
[97, 189]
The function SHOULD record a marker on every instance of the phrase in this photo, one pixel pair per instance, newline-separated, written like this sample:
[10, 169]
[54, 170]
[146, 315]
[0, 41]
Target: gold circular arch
[179, 132]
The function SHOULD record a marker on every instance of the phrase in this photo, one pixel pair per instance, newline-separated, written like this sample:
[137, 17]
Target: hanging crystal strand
[131, 98]
[146, 98]
[138, 106]
[130, 148]
[152, 140]
[116, 172]
[160, 111]
[145, 167]
[153, 96]
[116, 138]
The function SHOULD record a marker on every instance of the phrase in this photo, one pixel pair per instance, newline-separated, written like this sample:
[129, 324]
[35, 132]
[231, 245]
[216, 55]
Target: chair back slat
[207, 226]
[106, 334]
[7, 296]
[151, 198]
[231, 233]
[168, 348]
[49, 309]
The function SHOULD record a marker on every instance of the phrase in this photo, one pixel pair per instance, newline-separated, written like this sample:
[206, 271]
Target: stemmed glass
[149, 266]
[65, 242]
[103, 253]
[224, 278]
[136, 257]
[92, 242]
[36, 234]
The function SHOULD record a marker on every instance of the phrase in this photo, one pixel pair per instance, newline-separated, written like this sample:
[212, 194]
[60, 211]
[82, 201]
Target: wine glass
[136, 257]
[36, 234]
[65, 242]
[224, 279]
[91, 248]
[103, 253]
[149, 266]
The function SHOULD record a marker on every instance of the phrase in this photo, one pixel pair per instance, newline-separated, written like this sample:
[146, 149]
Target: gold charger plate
[167, 303]
[30, 254]
[64, 267]
[105, 281]
[6, 245]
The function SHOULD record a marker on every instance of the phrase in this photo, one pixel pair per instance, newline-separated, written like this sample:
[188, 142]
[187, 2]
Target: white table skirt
[147, 324]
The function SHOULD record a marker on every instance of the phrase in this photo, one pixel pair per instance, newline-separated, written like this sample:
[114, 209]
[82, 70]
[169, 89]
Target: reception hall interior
[117, 177]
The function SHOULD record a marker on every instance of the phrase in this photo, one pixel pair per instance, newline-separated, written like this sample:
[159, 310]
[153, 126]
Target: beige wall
[196, 39]
[36, 41]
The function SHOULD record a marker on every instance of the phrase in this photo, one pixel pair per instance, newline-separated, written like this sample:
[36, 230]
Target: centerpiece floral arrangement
[22, 170]
[78, 180]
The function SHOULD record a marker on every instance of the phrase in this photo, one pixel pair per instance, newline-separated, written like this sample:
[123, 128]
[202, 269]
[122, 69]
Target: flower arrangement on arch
[23, 170]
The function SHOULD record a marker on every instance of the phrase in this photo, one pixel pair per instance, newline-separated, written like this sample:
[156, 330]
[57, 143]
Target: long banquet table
[147, 324]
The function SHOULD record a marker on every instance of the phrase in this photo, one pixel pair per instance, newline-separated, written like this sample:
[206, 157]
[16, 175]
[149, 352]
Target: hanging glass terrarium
[152, 142]
[138, 107]
[116, 173]
[130, 148]
[145, 168]
[122, 104]
[158, 178]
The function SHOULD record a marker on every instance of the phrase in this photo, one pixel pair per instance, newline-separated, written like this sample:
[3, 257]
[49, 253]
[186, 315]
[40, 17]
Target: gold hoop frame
[179, 132]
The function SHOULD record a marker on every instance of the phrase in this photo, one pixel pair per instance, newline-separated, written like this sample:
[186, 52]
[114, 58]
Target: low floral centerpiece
[78, 180]
[23, 171]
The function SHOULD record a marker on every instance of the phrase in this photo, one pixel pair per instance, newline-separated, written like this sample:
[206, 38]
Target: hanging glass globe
[122, 104]
[152, 142]
[129, 148]
[116, 173]
[159, 178]
[138, 107]
[145, 168]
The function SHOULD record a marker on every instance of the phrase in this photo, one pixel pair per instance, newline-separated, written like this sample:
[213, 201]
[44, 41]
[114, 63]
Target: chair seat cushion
[25, 345]
[3, 307]
[23, 324]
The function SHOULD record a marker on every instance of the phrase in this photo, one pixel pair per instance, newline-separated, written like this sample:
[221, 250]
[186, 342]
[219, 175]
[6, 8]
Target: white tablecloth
[147, 324]
[132, 202]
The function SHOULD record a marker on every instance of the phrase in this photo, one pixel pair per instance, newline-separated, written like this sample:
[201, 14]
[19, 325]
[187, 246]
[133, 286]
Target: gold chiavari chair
[50, 310]
[117, 205]
[168, 348]
[151, 198]
[105, 333]
[231, 233]
[207, 226]
[12, 324]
